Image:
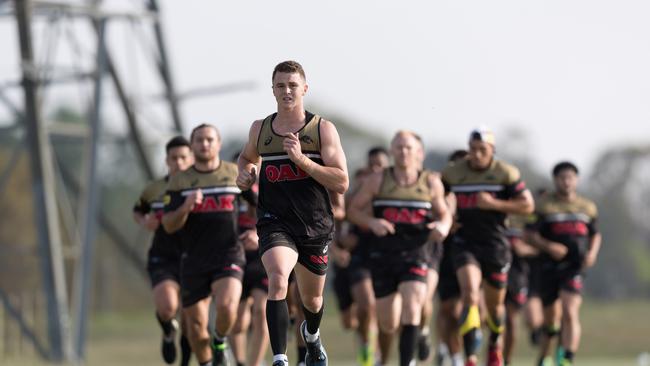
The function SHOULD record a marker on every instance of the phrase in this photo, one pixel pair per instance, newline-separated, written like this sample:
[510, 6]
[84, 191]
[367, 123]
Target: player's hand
[589, 261]
[291, 146]
[245, 180]
[381, 227]
[557, 251]
[151, 222]
[193, 199]
[340, 256]
[485, 201]
[436, 235]
[249, 239]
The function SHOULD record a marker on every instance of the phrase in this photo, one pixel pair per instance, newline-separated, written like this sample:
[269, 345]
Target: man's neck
[291, 117]
[207, 166]
[405, 175]
[567, 196]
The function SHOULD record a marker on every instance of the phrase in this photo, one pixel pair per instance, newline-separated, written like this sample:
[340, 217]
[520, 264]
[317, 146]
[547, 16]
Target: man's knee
[313, 303]
[278, 285]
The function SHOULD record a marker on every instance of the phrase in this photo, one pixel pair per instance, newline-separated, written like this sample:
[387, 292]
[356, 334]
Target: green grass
[613, 334]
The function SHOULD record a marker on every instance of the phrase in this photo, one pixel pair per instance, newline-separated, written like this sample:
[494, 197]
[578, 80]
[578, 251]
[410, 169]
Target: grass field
[613, 334]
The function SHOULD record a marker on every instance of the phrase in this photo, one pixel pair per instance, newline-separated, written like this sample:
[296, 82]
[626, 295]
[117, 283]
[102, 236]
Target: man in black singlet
[201, 204]
[301, 163]
[164, 256]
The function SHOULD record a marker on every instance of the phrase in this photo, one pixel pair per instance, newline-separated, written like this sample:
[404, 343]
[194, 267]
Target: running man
[449, 311]
[251, 315]
[352, 282]
[568, 235]
[486, 191]
[408, 212]
[301, 163]
[164, 257]
[202, 206]
[518, 285]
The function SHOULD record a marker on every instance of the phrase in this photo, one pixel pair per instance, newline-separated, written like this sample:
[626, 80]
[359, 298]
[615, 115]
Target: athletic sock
[470, 329]
[568, 355]
[277, 317]
[407, 342]
[496, 329]
[209, 363]
[166, 325]
[186, 351]
[281, 357]
[313, 321]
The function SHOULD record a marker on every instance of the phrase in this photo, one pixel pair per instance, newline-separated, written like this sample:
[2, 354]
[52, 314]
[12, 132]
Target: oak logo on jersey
[283, 173]
[468, 200]
[223, 203]
[570, 228]
[405, 215]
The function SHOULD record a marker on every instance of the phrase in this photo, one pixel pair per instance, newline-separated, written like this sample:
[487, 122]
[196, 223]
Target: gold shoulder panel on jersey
[588, 206]
[309, 136]
[509, 172]
[177, 181]
[453, 172]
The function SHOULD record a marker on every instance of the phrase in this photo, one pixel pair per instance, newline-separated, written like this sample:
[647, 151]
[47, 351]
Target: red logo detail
[159, 214]
[418, 271]
[570, 228]
[521, 298]
[468, 200]
[246, 222]
[233, 267]
[404, 215]
[265, 281]
[214, 204]
[575, 283]
[318, 259]
[284, 173]
[520, 186]
[499, 277]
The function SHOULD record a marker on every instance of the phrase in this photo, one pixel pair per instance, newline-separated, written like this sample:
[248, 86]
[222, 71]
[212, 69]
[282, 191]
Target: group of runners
[255, 236]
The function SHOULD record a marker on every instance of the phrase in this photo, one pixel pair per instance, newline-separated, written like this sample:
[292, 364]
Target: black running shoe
[169, 345]
[316, 355]
[424, 347]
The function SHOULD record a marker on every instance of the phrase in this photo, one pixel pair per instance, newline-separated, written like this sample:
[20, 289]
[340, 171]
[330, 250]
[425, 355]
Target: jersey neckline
[307, 120]
[207, 171]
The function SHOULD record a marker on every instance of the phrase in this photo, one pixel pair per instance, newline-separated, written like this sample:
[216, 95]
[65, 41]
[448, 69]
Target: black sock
[313, 319]
[208, 363]
[568, 355]
[186, 351]
[302, 353]
[277, 317]
[240, 364]
[472, 342]
[408, 338]
[166, 325]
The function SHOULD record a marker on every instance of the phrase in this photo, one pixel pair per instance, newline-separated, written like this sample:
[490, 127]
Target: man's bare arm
[249, 159]
[334, 174]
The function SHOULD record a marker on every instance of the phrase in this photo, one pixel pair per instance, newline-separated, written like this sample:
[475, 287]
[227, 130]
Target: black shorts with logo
[162, 268]
[254, 275]
[492, 257]
[312, 251]
[196, 286]
[559, 276]
[448, 287]
[389, 269]
[436, 250]
[517, 294]
[342, 287]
